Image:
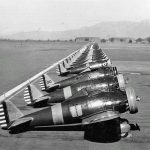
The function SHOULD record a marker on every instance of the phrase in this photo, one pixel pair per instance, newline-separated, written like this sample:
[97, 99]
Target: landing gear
[103, 132]
[131, 100]
[121, 82]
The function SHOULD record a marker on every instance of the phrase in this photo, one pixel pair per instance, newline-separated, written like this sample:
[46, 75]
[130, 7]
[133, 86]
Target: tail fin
[45, 82]
[61, 70]
[66, 63]
[109, 63]
[63, 63]
[31, 93]
[5, 118]
[70, 58]
[69, 61]
[58, 71]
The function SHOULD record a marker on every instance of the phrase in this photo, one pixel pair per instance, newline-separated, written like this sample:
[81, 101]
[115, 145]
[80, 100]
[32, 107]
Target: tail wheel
[123, 135]
[121, 82]
[131, 100]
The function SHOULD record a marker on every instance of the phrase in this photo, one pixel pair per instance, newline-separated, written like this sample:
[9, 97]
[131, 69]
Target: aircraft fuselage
[98, 85]
[75, 110]
[86, 76]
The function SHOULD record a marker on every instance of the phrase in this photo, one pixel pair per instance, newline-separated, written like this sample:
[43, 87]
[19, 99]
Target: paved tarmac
[74, 140]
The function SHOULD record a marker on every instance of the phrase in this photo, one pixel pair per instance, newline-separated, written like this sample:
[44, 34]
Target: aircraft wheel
[121, 82]
[115, 72]
[131, 100]
[123, 135]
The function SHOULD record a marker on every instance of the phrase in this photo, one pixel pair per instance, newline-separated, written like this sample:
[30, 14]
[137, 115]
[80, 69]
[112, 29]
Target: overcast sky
[28, 15]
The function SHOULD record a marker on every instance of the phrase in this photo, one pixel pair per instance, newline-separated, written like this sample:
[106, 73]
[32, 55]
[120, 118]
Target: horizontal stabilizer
[20, 121]
[86, 70]
[40, 102]
[108, 115]
[53, 87]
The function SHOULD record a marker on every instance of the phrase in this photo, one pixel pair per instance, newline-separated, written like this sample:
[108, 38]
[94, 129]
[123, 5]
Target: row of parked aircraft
[94, 93]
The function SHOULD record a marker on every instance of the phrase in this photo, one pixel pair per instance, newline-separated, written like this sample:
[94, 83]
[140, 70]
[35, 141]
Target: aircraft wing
[85, 92]
[80, 93]
[20, 121]
[86, 70]
[100, 117]
[90, 93]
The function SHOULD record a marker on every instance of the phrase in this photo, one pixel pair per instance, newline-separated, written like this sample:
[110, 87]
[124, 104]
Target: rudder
[45, 82]
[61, 70]
[4, 117]
[31, 93]
[8, 113]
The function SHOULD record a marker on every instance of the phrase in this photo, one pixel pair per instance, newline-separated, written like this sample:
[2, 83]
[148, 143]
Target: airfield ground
[21, 60]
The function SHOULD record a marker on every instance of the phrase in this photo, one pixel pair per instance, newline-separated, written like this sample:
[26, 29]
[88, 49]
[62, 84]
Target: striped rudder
[28, 95]
[42, 83]
[63, 63]
[66, 63]
[58, 69]
[4, 117]
[31, 93]
[46, 82]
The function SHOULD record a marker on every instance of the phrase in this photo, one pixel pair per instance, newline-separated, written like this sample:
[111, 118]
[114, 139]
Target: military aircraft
[82, 111]
[47, 84]
[86, 62]
[86, 110]
[35, 97]
[70, 60]
[11, 93]
[94, 55]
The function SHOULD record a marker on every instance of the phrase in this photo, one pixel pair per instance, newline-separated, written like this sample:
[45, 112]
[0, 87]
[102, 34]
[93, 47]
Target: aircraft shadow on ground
[106, 132]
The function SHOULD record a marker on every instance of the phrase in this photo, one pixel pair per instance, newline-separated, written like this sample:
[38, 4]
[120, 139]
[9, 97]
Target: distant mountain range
[102, 30]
